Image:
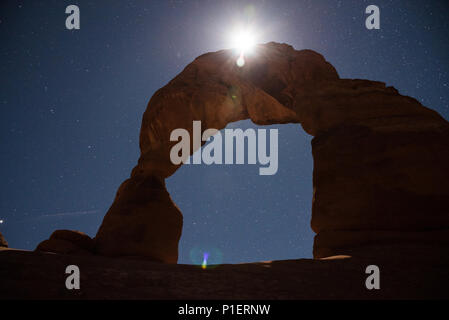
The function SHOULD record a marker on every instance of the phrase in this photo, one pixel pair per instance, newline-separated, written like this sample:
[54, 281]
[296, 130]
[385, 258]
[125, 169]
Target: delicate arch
[380, 159]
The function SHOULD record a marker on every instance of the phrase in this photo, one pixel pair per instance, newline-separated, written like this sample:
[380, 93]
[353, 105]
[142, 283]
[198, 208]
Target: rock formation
[68, 242]
[381, 160]
[3, 242]
[37, 276]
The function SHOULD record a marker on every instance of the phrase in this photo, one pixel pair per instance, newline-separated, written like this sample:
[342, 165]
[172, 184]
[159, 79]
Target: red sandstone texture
[381, 160]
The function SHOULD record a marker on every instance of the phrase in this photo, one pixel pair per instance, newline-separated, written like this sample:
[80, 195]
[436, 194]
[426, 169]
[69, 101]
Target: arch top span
[277, 84]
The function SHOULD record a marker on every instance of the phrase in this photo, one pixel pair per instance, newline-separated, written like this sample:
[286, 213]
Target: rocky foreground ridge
[38, 275]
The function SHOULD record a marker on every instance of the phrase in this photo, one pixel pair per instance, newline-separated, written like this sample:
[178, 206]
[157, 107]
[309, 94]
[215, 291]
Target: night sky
[72, 103]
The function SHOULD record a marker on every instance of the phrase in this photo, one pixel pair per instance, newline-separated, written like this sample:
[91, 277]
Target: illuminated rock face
[381, 160]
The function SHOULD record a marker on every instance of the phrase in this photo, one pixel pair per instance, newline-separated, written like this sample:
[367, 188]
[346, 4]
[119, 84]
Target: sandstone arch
[380, 176]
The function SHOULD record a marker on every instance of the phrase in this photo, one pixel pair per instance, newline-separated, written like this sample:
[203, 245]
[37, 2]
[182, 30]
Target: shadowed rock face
[3, 242]
[381, 162]
[68, 242]
[37, 275]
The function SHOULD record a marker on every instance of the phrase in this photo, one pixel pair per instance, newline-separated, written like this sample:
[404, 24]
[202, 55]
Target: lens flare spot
[240, 61]
[205, 257]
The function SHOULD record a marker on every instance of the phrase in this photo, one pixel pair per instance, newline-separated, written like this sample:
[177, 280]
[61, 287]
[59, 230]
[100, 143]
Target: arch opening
[237, 215]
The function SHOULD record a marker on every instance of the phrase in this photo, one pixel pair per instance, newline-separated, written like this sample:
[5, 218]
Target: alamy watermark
[73, 280]
[212, 153]
[73, 20]
[373, 20]
[373, 280]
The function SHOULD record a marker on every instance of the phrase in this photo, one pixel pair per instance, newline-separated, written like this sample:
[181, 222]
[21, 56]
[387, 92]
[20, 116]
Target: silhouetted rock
[36, 275]
[145, 222]
[3, 242]
[381, 162]
[68, 242]
[381, 186]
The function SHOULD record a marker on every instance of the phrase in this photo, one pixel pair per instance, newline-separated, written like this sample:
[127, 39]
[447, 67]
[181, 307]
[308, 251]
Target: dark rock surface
[68, 242]
[37, 275]
[3, 242]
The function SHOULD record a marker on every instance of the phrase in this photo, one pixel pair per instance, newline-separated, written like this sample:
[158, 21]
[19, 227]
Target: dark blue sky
[72, 101]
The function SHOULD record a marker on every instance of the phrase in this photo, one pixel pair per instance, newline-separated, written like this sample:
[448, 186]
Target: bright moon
[243, 41]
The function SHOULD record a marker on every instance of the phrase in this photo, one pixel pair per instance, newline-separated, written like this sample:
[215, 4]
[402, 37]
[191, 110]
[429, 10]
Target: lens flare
[241, 61]
[205, 257]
